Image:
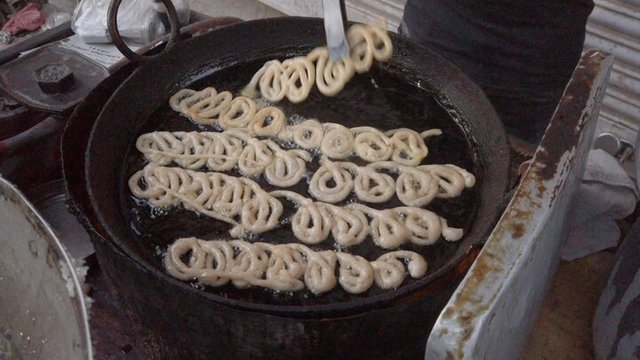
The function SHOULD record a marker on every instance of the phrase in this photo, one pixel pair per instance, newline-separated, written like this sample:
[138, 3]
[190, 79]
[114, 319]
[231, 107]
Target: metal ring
[112, 21]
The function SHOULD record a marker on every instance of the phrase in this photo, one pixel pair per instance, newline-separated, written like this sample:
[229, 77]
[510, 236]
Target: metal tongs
[335, 24]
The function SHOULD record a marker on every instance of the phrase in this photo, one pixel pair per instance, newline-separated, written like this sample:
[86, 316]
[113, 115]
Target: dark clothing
[521, 53]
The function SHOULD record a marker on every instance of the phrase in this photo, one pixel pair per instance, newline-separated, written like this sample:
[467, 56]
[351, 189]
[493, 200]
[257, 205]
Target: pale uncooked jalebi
[191, 150]
[404, 146]
[416, 186]
[208, 107]
[335, 141]
[281, 159]
[237, 201]
[294, 78]
[313, 221]
[420, 185]
[223, 151]
[391, 228]
[287, 267]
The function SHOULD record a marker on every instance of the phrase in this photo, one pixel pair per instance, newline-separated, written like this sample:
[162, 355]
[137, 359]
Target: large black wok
[177, 320]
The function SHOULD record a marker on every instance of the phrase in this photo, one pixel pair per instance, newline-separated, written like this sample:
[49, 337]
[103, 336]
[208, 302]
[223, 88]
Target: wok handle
[112, 24]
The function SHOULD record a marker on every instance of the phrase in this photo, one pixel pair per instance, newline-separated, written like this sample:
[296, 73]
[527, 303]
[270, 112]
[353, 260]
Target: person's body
[521, 53]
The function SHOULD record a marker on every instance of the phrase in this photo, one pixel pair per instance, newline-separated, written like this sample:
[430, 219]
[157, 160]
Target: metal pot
[176, 320]
[42, 306]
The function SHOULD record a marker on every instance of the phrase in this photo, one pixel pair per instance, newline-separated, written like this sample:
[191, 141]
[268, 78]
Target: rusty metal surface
[493, 310]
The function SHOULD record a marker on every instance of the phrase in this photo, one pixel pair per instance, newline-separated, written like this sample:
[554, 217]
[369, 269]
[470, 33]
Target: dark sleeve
[504, 45]
[521, 53]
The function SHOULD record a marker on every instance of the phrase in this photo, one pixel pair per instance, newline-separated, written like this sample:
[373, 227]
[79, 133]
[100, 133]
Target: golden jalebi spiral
[286, 267]
[222, 197]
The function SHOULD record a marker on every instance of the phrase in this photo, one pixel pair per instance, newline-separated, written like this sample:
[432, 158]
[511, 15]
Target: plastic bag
[138, 20]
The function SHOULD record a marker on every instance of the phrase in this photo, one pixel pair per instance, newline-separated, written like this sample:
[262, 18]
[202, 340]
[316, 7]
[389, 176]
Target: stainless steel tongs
[335, 23]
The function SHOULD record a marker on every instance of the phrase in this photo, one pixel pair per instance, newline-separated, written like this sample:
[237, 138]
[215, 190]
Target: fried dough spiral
[294, 78]
[223, 151]
[331, 77]
[313, 221]
[208, 107]
[286, 267]
[222, 197]
[307, 134]
[331, 182]
[368, 43]
[420, 185]
[389, 228]
[334, 181]
[404, 146]
[335, 141]
[191, 150]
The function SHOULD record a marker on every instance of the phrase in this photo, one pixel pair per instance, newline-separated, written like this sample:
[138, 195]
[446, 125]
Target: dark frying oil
[380, 99]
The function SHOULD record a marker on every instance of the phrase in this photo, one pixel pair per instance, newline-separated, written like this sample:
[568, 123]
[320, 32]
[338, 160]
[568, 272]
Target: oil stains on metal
[563, 134]
[578, 91]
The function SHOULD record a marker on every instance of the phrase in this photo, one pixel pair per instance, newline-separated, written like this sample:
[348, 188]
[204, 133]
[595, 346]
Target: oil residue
[381, 99]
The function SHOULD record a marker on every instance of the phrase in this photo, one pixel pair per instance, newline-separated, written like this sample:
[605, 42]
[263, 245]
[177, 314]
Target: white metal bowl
[42, 306]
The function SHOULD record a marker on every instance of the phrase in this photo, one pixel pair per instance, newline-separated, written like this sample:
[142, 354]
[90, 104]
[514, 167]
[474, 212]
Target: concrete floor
[564, 327]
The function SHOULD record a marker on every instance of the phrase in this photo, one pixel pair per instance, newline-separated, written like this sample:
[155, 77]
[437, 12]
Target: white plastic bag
[138, 20]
